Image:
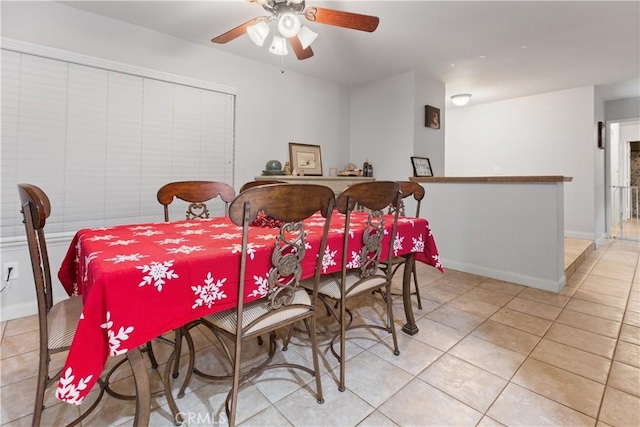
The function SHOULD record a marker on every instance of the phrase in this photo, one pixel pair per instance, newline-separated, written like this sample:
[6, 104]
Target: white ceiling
[528, 47]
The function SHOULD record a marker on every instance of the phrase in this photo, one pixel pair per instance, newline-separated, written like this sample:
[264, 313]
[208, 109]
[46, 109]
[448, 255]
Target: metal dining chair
[407, 188]
[335, 289]
[57, 322]
[197, 194]
[284, 302]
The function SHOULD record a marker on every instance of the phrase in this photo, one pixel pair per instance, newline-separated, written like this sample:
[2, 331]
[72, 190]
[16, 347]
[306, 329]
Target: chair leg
[311, 329]
[343, 360]
[390, 324]
[178, 347]
[152, 357]
[43, 373]
[287, 339]
[231, 411]
[415, 282]
[192, 361]
[175, 412]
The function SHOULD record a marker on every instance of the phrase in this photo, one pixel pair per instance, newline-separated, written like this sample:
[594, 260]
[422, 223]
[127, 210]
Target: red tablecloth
[141, 281]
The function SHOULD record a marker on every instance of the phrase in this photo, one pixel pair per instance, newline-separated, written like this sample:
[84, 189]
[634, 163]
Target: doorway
[623, 219]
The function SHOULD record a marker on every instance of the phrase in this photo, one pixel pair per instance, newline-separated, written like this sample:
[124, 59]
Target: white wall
[547, 134]
[599, 174]
[387, 124]
[270, 108]
[429, 142]
[270, 111]
[627, 108]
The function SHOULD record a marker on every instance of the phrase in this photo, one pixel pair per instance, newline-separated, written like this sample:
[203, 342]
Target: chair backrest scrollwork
[196, 193]
[290, 205]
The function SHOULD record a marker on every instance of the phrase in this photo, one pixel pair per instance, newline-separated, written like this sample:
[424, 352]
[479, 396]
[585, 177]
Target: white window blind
[101, 143]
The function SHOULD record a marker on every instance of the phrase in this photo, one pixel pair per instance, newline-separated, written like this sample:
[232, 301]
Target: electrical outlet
[14, 271]
[497, 170]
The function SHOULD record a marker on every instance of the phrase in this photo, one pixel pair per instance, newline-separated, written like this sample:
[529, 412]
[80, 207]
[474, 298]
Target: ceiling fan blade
[297, 48]
[234, 33]
[339, 18]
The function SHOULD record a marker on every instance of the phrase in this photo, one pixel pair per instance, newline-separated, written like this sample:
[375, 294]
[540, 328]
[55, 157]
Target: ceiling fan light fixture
[461, 99]
[278, 46]
[258, 32]
[306, 37]
[288, 24]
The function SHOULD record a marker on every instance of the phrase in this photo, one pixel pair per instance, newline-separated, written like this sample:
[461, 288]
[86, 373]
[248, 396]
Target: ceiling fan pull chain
[282, 65]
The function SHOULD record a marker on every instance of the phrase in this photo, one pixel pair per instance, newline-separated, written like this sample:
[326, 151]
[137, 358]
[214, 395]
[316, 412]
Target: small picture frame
[305, 158]
[431, 117]
[601, 135]
[421, 166]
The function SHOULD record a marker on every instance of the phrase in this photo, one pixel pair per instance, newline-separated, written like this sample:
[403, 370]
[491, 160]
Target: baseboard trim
[579, 235]
[507, 276]
[15, 311]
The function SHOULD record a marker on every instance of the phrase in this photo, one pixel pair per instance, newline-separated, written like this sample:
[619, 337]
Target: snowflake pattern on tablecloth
[116, 338]
[124, 258]
[141, 227]
[265, 236]
[105, 237]
[87, 260]
[209, 292]
[328, 259]
[219, 225]
[406, 220]
[397, 244]
[122, 242]
[418, 244]
[436, 258]
[148, 233]
[251, 249]
[355, 260]
[429, 230]
[157, 273]
[69, 392]
[185, 249]
[263, 287]
[314, 224]
[190, 232]
[226, 236]
[189, 224]
[172, 241]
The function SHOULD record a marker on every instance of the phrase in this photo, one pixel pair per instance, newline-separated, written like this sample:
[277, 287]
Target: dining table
[140, 281]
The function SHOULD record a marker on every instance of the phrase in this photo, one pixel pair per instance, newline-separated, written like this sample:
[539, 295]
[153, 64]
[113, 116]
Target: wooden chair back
[36, 208]
[409, 188]
[196, 193]
[375, 197]
[251, 184]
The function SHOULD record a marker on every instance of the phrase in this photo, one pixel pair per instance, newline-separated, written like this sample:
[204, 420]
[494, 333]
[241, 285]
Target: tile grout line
[615, 349]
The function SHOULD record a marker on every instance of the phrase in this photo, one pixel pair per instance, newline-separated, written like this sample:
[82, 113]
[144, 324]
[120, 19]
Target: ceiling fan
[283, 22]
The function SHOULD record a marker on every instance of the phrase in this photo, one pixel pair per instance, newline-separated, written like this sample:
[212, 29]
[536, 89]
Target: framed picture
[421, 166]
[431, 117]
[305, 158]
[601, 134]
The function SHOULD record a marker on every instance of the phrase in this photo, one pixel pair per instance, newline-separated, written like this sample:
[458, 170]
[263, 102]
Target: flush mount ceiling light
[461, 99]
[283, 24]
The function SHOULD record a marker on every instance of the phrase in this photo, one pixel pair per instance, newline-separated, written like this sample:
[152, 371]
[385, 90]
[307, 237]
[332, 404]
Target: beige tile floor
[488, 353]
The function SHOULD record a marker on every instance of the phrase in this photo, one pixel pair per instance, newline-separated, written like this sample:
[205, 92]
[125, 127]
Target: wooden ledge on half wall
[504, 179]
